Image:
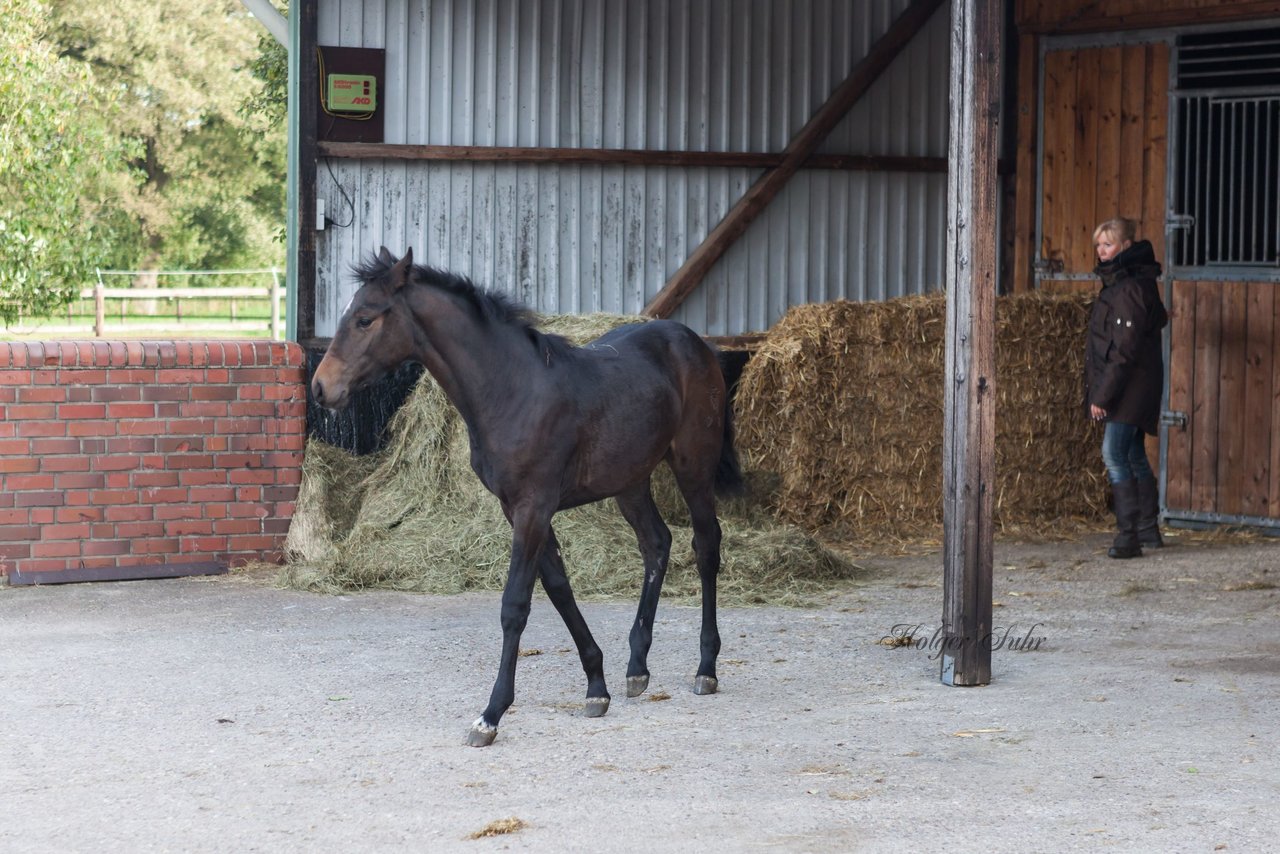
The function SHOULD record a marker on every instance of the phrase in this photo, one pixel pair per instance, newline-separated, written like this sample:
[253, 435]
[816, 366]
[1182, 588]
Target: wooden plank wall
[1137, 119]
[1072, 16]
[1225, 375]
[1105, 127]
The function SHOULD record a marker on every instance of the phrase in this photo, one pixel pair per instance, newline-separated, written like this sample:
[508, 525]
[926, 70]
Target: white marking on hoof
[597, 706]
[636, 685]
[481, 734]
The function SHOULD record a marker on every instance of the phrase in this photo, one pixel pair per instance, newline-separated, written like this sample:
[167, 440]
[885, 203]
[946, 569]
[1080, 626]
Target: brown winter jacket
[1123, 365]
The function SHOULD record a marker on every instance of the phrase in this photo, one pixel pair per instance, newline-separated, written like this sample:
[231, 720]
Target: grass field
[186, 317]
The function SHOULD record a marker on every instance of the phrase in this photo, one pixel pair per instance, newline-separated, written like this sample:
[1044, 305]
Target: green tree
[270, 103]
[59, 163]
[213, 188]
[133, 134]
[270, 68]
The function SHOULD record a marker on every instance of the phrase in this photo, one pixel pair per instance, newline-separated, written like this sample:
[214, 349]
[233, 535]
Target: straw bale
[415, 517]
[844, 400]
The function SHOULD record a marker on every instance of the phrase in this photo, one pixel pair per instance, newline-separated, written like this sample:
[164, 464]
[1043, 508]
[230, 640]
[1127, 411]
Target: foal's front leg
[529, 536]
[556, 582]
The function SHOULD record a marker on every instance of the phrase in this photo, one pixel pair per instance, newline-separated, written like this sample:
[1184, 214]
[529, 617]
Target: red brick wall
[117, 454]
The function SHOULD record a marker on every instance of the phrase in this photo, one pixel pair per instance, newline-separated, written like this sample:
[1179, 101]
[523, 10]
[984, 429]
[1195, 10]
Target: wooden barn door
[1198, 166]
[1223, 421]
[1102, 153]
[1223, 285]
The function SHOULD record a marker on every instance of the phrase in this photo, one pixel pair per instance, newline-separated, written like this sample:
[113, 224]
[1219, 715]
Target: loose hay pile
[839, 419]
[415, 517]
[844, 402]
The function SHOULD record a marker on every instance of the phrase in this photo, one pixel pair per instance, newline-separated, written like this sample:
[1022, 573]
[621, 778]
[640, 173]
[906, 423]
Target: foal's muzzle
[327, 385]
[328, 397]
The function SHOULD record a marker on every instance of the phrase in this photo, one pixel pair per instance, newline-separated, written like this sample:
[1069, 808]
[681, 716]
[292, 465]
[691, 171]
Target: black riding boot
[1149, 514]
[1126, 544]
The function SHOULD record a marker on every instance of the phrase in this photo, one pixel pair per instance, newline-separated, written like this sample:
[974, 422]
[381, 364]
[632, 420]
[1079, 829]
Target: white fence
[127, 320]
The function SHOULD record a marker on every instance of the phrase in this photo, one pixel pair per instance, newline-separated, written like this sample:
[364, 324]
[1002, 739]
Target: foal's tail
[728, 471]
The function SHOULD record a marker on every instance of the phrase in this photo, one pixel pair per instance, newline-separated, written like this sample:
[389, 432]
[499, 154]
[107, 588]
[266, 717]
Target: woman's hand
[1097, 412]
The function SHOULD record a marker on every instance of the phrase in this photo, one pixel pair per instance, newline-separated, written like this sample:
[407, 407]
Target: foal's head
[375, 334]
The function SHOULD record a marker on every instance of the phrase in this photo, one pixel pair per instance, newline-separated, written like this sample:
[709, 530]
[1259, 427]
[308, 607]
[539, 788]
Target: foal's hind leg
[706, 546]
[655, 547]
[556, 583]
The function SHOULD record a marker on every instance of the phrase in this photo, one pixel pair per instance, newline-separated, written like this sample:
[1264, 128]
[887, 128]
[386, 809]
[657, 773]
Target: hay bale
[323, 515]
[1048, 458]
[844, 400]
[415, 517]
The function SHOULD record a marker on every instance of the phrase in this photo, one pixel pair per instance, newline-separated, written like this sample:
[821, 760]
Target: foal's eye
[364, 322]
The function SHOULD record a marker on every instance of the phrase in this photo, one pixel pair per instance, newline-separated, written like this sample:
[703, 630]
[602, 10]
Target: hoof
[597, 706]
[481, 734]
[636, 685]
[705, 685]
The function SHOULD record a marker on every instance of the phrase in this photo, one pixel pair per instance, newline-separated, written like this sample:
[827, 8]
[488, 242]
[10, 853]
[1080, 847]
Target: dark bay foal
[553, 426]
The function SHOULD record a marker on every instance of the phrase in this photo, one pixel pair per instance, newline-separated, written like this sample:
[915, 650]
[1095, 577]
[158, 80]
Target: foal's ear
[385, 256]
[400, 272]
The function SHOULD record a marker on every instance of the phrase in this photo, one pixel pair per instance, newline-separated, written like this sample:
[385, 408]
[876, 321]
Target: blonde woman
[1124, 378]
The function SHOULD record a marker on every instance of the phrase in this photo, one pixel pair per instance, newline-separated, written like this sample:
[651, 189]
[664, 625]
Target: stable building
[721, 162]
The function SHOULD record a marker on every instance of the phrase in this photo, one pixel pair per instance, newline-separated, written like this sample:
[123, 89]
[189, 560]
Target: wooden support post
[968, 465]
[768, 185]
[275, 305]
[304, 106]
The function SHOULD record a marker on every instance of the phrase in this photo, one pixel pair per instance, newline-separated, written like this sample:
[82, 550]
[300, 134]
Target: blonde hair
[1120, 229]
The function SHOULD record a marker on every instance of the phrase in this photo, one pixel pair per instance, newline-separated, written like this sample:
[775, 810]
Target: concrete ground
[225, 714]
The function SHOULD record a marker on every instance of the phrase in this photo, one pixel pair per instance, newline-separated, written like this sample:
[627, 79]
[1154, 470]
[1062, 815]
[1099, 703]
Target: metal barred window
[1225, 201]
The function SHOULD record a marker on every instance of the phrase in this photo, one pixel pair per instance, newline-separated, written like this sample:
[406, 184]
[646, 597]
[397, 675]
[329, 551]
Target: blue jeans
[1124, 451]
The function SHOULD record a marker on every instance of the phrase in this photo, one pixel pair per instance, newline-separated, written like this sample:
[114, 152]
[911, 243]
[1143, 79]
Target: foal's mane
[489, 307]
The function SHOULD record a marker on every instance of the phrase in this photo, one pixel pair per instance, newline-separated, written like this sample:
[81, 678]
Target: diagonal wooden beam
[803, 144]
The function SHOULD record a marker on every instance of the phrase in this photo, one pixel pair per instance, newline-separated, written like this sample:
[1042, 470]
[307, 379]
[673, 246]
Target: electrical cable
[351, 206]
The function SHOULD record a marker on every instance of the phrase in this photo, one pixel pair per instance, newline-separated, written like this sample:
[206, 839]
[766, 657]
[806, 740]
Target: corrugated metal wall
[705, 75]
